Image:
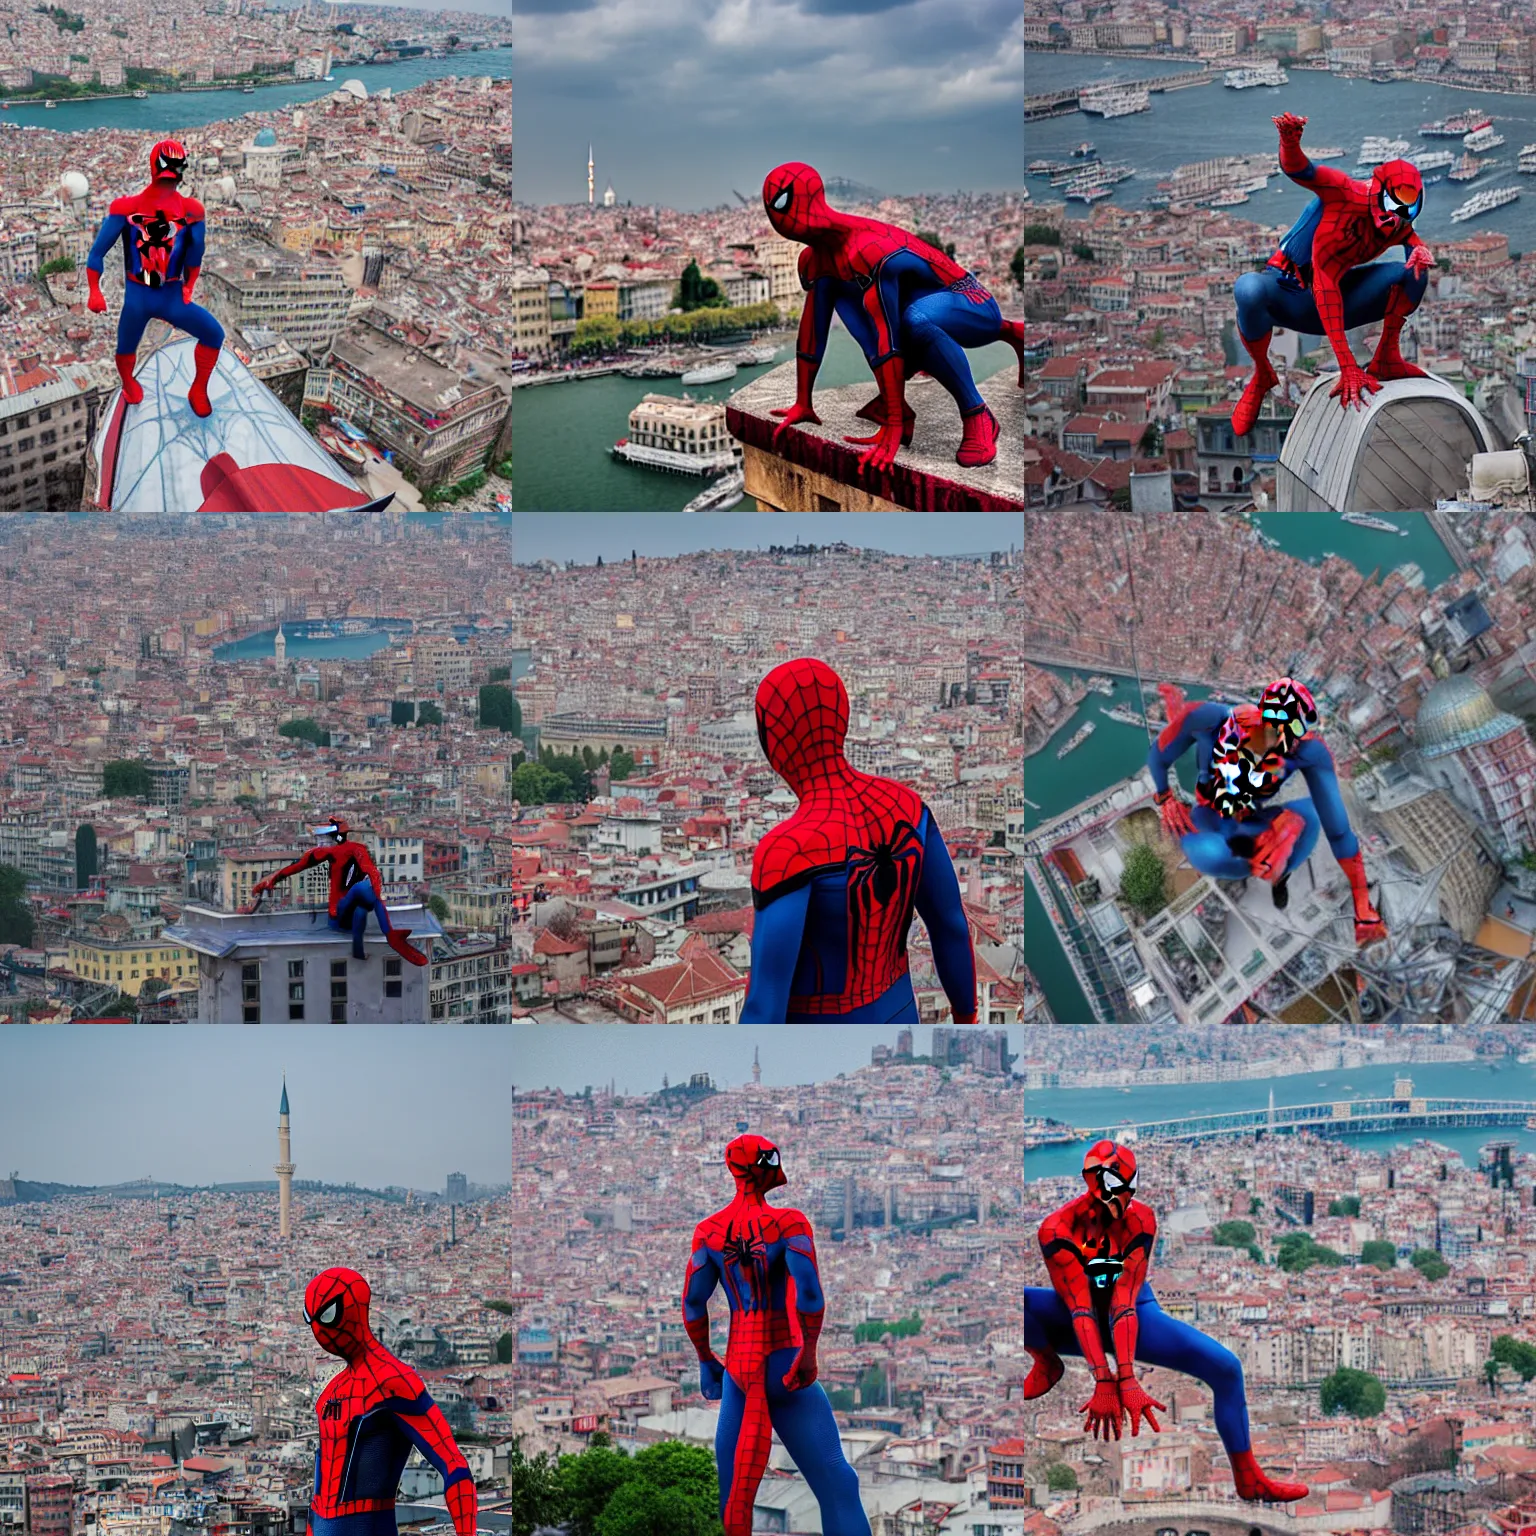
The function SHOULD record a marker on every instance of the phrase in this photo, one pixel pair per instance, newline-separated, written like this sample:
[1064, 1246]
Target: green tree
[16, 924]
[588, 1482]
[1356, 1393]
[620, 765]
[901, 1328]
[1016, 267]
[1349, 1205]
[695, 291]
[1041, 234]
[126, 778]
[595, 336]
[504, 1348]
[1429, 1264]
[537, 1489]
[428, 713]
[1144, 881]
[500, 675]
[499, 709]
[1083, 251]
[1382, 1255]
[303, 728]
[1232, 1234]
[85, 855]
[438, 907]
[938, 242]
[58, 264]
[402, 711]
[1516, 1354]
[1150, 444]
[1060, 1478]
[1296, 1252]
[534, 784]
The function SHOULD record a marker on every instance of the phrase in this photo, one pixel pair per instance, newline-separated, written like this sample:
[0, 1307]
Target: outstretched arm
[107, 236]
[306, 860]
[777, 931]
[811, 344]
[1299, 166]
[810, 1307]
[1178, 736]
[427, 1429]
[943, 912]
[1123, 1325]
[698, 1286]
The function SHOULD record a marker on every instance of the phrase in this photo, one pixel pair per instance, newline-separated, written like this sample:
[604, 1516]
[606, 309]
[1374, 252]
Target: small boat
[754, 357]
[722, 495]
[1377, 525]
[1481, 140]
[1484, 202]
[711, 373]
[141, 95]
[247, 90]
[1456, 127]
[50, 104]
[1083, 151]
[1468, 168]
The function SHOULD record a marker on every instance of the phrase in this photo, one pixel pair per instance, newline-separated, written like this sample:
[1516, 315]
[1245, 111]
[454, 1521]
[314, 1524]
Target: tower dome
[1457, 713]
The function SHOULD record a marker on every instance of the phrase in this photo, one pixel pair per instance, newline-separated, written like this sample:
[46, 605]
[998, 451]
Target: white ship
[1377, 149]
[1481, 140]
[1249, 79]
[1433, 159]
[1233, 197]
[141, 95]
[1376, 524]
[1076, 739]
[1094, 192]
[1485, 202]
[752, 357]
[1100, 684]
[1528, 160]
[1125, 715]
[1454, 127]
[722, 495]
[1327, 152]
[711, 373]
[1113, 100]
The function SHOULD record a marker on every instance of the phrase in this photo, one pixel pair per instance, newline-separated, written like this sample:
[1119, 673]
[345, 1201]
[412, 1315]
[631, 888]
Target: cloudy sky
[686, 100]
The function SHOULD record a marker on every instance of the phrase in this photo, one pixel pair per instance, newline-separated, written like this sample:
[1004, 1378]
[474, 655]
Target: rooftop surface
[924, 478]
[221, 934]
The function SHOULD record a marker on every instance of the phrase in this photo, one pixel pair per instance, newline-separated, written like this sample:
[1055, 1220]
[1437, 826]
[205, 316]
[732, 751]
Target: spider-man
[908, 306]
[1325, 278]
[162, 234]
[1098, 1249]
[765, 1257]
[357, 888]
[1242, 757]
[836, 883]
[372, 1412]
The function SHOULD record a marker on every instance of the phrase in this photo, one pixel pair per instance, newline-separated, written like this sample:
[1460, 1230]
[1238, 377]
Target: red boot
[1254, 1486]
[133, 391]
[1264, 379]
[197, 396]
[1389, 363]
[396, 938]
[1013, 334]
[875, 412]
[1043, 1374]
[979, 443]
[1369, 928]
[1272, 847]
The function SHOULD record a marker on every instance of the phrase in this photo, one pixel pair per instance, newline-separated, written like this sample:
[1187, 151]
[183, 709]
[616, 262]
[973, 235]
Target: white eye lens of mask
[1111, 1182]
[781, 202]
[329, 1314]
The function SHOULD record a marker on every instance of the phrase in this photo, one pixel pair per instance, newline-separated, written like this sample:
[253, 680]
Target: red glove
[1139, 1403]
[189, 284]
[890, 378]
[1104, 1411]
[1173, 814]
[1420, 259]
[1353, 385]
[1290, 126]
[1369, 928]
[96, 302]
[802, 409]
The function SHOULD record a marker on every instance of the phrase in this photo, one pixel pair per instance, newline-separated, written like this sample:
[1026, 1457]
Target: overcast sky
[584, 536]
[686, 100]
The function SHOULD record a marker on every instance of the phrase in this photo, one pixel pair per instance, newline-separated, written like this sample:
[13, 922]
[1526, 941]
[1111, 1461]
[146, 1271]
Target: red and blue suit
[356, 889]
[835, 885]
[764, 1257]
[1233, 830]
[162, 235]
[1325, 278]
[372, 1414]
[908, 306]
[1098, 1252]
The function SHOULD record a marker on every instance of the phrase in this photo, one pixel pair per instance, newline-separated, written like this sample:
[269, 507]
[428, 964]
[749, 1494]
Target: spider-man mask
[336, 1309]
[1397, 196]
[796, 199]
[1289, 708]
[754, 1164]
[1109, 1170]
[802, 721]
[167, 161]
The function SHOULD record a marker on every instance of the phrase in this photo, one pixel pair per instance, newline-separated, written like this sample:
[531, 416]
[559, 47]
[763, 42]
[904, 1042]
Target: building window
[250, 992]
[392, 978]
[338, 991]
[296, 990]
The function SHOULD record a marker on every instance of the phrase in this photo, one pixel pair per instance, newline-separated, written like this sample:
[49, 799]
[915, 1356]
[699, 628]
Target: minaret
[757, 1069]
[590, 182]
[284, 1168]
[280, 648]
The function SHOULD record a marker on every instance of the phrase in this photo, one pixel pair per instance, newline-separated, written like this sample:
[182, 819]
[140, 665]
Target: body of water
[1089, 1107]
[1209, 120]
[562, 433]
[1115, 751]
[164, 111]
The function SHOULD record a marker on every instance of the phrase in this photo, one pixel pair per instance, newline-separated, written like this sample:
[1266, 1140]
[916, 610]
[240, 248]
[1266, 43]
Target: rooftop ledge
[218, 934]
[814, 470]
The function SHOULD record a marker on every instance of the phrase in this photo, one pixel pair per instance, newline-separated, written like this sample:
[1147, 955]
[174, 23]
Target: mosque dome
[75, 185]
[1457, 713]
[265, 138]
[354, 88]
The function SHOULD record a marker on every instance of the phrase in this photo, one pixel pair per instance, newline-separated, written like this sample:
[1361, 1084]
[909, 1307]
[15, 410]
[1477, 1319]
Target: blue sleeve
[1202, 718]
[1316, 764]
[107, 236]
[197, 238]
[802, 1270]
[943, 913]
[776, 934]
[823, 300]
[702, 1280]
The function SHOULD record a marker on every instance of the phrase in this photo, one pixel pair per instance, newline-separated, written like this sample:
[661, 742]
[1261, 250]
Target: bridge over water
[1342, 1117]
[1184, 1517]
[1058, 103]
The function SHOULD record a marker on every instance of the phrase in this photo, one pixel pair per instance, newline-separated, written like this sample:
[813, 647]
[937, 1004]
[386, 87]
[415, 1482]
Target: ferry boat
[1376, 149]
[1456, 127]
[247, 90]
[1113, 100]
[753, 357]
[1233, 197]
[1250, 79]
[1528, 160]
[50, 104]
[1485, 202]
[711, 373]
[1084, 151]
[1100, 684]
[1376, 524]
[141, 95]
[1433, 159]
[680, 434]
[722, 495]
[1076, 739]
[1468, 168]
[1093, 192]
[1328, 152]
[1125, 715]
[1481, 140]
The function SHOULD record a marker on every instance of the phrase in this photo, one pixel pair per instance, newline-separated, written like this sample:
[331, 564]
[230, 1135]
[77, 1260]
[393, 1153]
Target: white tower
[590, 183]
[280, 648]
[284, 1168]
